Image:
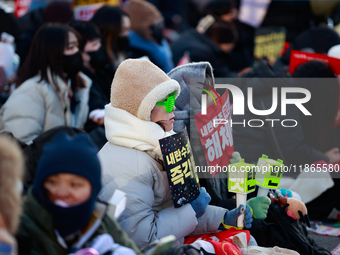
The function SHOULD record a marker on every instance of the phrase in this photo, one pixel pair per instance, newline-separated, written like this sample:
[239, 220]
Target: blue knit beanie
[74, 155]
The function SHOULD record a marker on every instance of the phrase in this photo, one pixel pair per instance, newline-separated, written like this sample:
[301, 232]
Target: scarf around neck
[124, 129]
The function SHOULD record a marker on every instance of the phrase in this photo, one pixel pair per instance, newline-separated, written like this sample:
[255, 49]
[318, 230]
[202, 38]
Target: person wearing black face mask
[95, 64]
[123, 42]
[146, 35]
[50, 89]
[72, 64]
[98, 58]
[95, 60]
[114, 26]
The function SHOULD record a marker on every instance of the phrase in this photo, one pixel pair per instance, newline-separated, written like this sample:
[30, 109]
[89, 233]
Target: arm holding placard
[209, 217]
[211, 221]
[258, 205]
[241, 180]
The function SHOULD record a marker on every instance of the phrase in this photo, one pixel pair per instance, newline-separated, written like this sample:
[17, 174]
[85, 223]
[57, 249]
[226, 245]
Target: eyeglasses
[169, 102]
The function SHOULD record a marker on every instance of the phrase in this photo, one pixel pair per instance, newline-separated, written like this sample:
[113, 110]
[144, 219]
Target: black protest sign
[180, 168]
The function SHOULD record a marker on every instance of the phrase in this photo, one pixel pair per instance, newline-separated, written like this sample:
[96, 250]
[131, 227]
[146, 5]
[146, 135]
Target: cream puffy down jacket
[36, 107]
[149, 214]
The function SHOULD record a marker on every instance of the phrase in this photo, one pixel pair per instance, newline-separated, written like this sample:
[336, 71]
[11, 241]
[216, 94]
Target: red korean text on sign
[216, 140]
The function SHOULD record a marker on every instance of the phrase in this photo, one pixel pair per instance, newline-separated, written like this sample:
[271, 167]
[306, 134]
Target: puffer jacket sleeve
[141, 222]
[23, 115]
[210, 221]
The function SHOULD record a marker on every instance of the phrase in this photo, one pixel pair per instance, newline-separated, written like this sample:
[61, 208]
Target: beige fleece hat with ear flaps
[138, 85]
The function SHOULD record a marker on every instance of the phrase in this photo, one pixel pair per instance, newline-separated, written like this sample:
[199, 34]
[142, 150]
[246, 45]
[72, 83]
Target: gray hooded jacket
[188, 103]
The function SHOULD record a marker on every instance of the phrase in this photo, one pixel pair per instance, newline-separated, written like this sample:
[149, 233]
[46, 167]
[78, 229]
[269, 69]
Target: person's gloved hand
[259, 207]
[287, 193]
[200, 204]
[236, 157]
[97, 116]
[230, 217]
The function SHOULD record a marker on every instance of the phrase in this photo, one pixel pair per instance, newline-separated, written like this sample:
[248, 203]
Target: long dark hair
[87, 30]
[46, 53]
[109, 21]
[324, 88]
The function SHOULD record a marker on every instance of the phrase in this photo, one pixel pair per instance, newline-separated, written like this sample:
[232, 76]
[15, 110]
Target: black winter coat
[99, 96]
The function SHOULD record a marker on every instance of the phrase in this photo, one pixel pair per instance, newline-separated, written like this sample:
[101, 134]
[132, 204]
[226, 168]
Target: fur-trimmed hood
[190, 77]
[138, 85]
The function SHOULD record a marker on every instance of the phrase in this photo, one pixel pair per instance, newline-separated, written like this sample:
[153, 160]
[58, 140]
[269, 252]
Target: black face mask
[98, 58]
[72, 64]
[123, 42]
[157, 32]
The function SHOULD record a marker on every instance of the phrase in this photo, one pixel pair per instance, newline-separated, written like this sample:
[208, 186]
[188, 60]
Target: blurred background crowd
[58, 60]
[233, 36]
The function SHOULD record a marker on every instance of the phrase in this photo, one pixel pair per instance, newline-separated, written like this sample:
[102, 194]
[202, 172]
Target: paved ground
[328, 242]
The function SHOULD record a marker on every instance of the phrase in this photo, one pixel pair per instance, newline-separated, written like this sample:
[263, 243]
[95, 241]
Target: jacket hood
[188, 76]
[138, 85]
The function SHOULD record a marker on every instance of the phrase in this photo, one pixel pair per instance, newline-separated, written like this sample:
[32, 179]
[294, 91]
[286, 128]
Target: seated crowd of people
[83, 111]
